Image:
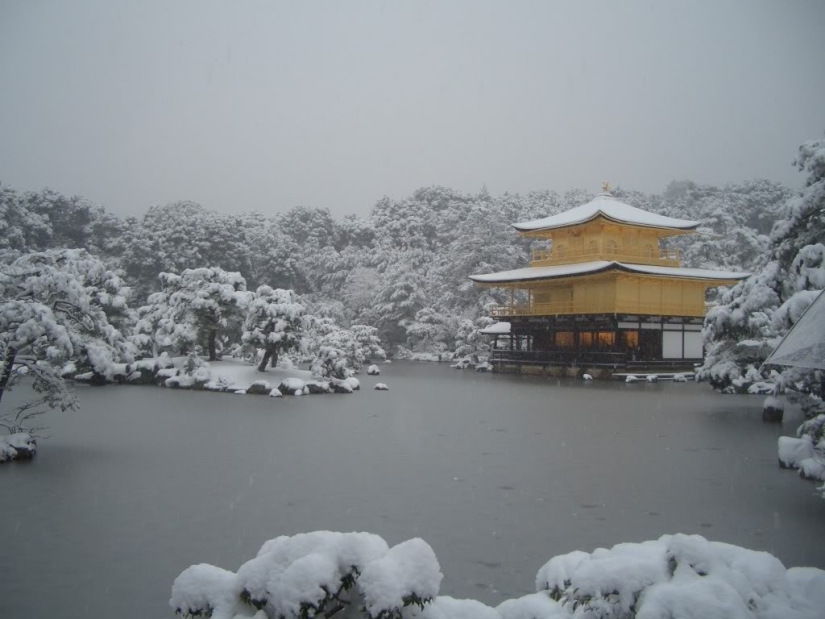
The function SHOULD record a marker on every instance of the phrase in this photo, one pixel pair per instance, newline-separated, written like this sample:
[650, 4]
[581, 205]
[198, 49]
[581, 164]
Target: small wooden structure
[604, 293]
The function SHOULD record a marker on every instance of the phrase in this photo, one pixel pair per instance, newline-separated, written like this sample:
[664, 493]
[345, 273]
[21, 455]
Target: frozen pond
[497, 473]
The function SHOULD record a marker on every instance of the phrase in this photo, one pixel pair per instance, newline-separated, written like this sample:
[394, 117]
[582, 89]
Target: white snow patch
[587, 377]
[381, 387]
[373, 370]
[631, 379]
[275, 393]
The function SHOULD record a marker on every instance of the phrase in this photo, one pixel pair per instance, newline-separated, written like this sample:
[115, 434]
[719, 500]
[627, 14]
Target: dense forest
[402, 269]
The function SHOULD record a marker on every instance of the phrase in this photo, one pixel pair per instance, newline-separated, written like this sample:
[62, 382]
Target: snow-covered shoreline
[228, 375]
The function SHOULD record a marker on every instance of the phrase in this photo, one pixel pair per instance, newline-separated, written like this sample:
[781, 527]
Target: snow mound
[381, 387]
[534, 606]
[792, 451]
[484, 367]
[373, 370]
[631, 379]
[17, 446]
[445, 607]
[275, 393]
[353, 382]
[587, 377]
[679, 378]
[652, 378]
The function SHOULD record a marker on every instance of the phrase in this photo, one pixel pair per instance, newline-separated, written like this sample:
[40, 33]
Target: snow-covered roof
[497, 328]
[597, 266]
[608, 207]
[804, 345]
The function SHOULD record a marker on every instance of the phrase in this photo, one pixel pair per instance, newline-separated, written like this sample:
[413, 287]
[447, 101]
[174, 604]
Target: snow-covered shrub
[356, 575]
[313, 575]
[369, 342]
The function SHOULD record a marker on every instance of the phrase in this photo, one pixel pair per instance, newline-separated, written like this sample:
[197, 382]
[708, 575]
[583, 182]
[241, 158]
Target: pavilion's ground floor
[600, 341]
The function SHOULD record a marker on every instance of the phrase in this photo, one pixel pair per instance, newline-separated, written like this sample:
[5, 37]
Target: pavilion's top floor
[605, 229]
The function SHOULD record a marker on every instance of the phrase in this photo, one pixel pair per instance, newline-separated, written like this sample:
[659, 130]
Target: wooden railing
[559, 357]
[620, 307]
[604, 251]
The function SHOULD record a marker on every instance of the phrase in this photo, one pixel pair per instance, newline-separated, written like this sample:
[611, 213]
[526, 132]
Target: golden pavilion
[605, 293]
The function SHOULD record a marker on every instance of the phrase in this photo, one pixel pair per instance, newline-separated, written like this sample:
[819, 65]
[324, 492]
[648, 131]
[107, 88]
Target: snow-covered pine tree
[275, 322]
[53, 312]
[755, 314]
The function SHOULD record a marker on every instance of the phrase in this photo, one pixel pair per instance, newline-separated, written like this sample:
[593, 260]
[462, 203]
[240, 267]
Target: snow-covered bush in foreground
[315, 575]
[349, 575]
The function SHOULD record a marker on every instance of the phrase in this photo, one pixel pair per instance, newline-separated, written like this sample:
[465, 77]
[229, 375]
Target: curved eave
[536, 274]
[690, 226]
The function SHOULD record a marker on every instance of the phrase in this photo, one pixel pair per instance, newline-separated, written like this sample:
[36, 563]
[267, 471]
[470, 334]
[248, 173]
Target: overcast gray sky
[265, 105]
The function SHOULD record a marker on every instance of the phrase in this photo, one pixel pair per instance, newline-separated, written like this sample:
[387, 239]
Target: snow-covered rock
[652, 378]
[353, 382]
[292, 386]
[259, 387]
[17, 446]
[275, 393]
[381, 387]
[484, 366]
[587, 377]
[772, 409]
[762, 388]
[679, 378]
[631, 379]
[340, 386]
[373, 370]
